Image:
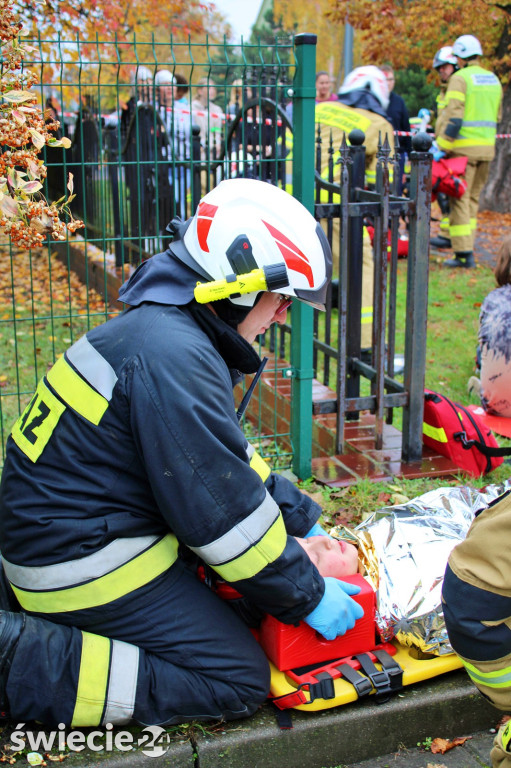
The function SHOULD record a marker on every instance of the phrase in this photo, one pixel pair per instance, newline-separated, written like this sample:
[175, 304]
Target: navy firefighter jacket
[131, 447]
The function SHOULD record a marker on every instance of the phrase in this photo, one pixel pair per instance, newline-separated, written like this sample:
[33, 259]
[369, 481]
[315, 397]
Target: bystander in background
[209, 117]
[494, 386]
[397, 113]
[324, 87]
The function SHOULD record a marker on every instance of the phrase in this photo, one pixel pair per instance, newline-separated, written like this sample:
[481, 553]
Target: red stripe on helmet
[293, 256]
[205, 215]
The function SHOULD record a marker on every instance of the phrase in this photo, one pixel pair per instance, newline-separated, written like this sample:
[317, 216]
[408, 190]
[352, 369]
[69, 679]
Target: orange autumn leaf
[441, 746]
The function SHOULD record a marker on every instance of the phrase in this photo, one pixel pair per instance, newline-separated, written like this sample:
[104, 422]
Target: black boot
[462, 259]
[11, 626]
[440, 242]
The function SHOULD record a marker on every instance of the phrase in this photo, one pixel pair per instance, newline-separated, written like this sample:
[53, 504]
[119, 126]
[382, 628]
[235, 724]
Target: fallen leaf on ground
[440, 746]
[399, 498]
[339, 494]
[436, 765]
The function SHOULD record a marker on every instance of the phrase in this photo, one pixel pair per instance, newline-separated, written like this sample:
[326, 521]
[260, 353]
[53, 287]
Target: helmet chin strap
[232, 314]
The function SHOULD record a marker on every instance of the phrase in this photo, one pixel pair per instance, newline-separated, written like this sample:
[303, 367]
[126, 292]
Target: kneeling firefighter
[130, 456]
[477, 608]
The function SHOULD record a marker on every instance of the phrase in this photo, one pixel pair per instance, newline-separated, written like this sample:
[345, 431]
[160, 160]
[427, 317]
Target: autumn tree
[311, 16]
[404, 32]
[25, 215]
[119, 19]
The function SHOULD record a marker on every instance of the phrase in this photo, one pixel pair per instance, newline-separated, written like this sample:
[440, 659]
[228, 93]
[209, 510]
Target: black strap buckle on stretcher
[379, 679]
[392, 668]
[360, 683]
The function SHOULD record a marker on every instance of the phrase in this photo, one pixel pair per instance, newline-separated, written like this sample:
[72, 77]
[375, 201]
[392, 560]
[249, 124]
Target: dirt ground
[491, 229]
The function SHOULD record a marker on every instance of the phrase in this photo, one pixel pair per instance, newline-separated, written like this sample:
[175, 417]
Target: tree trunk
[496, 195]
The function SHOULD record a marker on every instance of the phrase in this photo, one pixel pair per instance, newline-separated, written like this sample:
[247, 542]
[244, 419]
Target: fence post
[304, 96]
[355, 257]
[417, 297]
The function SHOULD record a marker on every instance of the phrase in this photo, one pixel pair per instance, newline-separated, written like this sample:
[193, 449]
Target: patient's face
[331, 557]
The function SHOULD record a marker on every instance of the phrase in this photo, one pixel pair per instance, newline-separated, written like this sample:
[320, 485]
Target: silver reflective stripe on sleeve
[479, 123]
[122, 683]
[93, 367]
[250, 450]
[242, 536]
[62, 575]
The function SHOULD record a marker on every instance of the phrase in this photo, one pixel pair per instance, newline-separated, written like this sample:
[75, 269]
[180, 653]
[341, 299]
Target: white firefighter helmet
[445, 56]
[467, 46]
[369, 78]
[246, 224]
[141, 75]
[164, 77]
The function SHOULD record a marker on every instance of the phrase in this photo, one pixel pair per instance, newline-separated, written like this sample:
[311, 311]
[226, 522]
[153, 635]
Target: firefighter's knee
[500, 756]
[256, 686]
[477, 620]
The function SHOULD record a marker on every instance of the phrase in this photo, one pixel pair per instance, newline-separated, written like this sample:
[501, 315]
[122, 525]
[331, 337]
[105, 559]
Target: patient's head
[330, 556]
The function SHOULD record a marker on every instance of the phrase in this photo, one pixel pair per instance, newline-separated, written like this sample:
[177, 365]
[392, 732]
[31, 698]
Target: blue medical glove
[316, 530]
[438, 154]
[337, 612]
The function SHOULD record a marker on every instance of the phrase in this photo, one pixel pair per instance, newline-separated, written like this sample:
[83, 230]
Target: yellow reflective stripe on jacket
[336, 115]
[454, 95]
[435, 433]
[259, 465]
[71, 573]
[75, 392]
[500, 678]
[92, 680]
[123, 580]
[458, 143]
[266, 551]
[241, 536]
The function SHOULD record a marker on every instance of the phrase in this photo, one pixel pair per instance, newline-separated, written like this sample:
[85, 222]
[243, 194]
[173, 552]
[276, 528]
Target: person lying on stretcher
[332, 557]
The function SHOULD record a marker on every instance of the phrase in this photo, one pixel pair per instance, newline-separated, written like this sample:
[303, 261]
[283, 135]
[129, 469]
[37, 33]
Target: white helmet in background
[164, 77]
[141, 75]
[467, 46]
[369, 78]
[246, 224]
[445, 56]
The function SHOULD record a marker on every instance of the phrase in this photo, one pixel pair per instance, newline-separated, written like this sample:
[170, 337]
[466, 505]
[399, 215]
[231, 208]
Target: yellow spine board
[414, 671]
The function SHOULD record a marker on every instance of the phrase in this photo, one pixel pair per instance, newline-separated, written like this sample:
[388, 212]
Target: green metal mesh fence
[142, 152]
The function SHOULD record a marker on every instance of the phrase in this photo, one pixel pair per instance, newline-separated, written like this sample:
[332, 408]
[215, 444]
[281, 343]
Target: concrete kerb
[445, 707]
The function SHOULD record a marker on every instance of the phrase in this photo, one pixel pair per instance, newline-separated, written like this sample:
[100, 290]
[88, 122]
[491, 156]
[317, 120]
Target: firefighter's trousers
[463, 210]
[477, 610]
[166, 653]
[366, 319]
